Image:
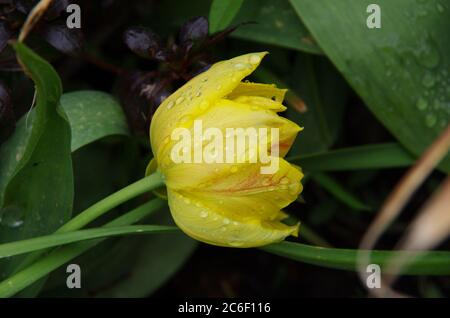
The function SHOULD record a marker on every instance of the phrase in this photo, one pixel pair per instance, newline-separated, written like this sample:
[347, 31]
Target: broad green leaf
[38, 196]
[57, 239]
[431, 263]
[378, 156]
[222, 13]
[92, 116]
[275, 23]
[401, 71]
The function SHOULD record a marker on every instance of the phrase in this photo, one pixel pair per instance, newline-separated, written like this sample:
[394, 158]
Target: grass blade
[430, 263]
[57, 239]
[378, 156]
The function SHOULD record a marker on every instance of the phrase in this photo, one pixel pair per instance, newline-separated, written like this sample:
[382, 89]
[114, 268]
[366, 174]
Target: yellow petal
[210, 226]
[197, 95]
[242, 193]
[269, 91]
[227, 114]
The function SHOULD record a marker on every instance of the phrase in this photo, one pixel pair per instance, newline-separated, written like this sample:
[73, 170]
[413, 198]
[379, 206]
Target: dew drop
[226, 221]
[239, 66]
[11, 216]
[204, 214]
[179, 100]
[421, 104]
[170, 105]
[430, 120]
[428, 54]
[255, 59]
[235, 243]
[428, 80]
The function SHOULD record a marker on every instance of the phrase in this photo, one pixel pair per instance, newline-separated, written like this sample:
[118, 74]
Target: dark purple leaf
[140, 93]
[68, 41]
[7, 122]
[25, 6]
[193, 30]
[5, 35]
[56, 8]
[143, 42]
[8, 60]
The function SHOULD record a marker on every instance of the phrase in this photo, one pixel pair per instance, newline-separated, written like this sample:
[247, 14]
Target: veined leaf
[400, 70]
[38, 193]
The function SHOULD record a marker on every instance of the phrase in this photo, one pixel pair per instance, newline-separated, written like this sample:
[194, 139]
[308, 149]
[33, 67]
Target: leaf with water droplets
[399, 70]
[36, 188]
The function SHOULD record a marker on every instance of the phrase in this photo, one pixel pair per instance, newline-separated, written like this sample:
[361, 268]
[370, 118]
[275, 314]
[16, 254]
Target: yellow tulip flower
[227, 204]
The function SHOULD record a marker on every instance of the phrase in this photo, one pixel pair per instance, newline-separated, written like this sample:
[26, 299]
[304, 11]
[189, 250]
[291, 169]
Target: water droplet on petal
[226, 221]
[179, 100]
[203, 214]
[239, 66]
[170, 105]
[255, 59]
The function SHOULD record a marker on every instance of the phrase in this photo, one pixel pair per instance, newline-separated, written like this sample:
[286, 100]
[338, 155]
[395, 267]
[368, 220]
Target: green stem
[143, 185]
[58, 257]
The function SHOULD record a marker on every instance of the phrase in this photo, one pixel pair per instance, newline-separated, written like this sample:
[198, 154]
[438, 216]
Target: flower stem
[98, 209]
[143, 185]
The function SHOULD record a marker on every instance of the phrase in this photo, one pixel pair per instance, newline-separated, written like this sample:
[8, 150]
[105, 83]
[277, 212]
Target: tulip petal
[231, 114]
[196, 96]
[242, 192]
[210, 226]
[269, 91]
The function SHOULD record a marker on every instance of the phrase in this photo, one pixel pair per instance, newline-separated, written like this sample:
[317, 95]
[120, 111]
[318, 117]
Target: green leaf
[92, 116]
[57, 239]
[431, 263]
[38, 196]
[222, 13]
[378, 156]
[275, 23]
[58, 257]
[400, 70]
[339, 192]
